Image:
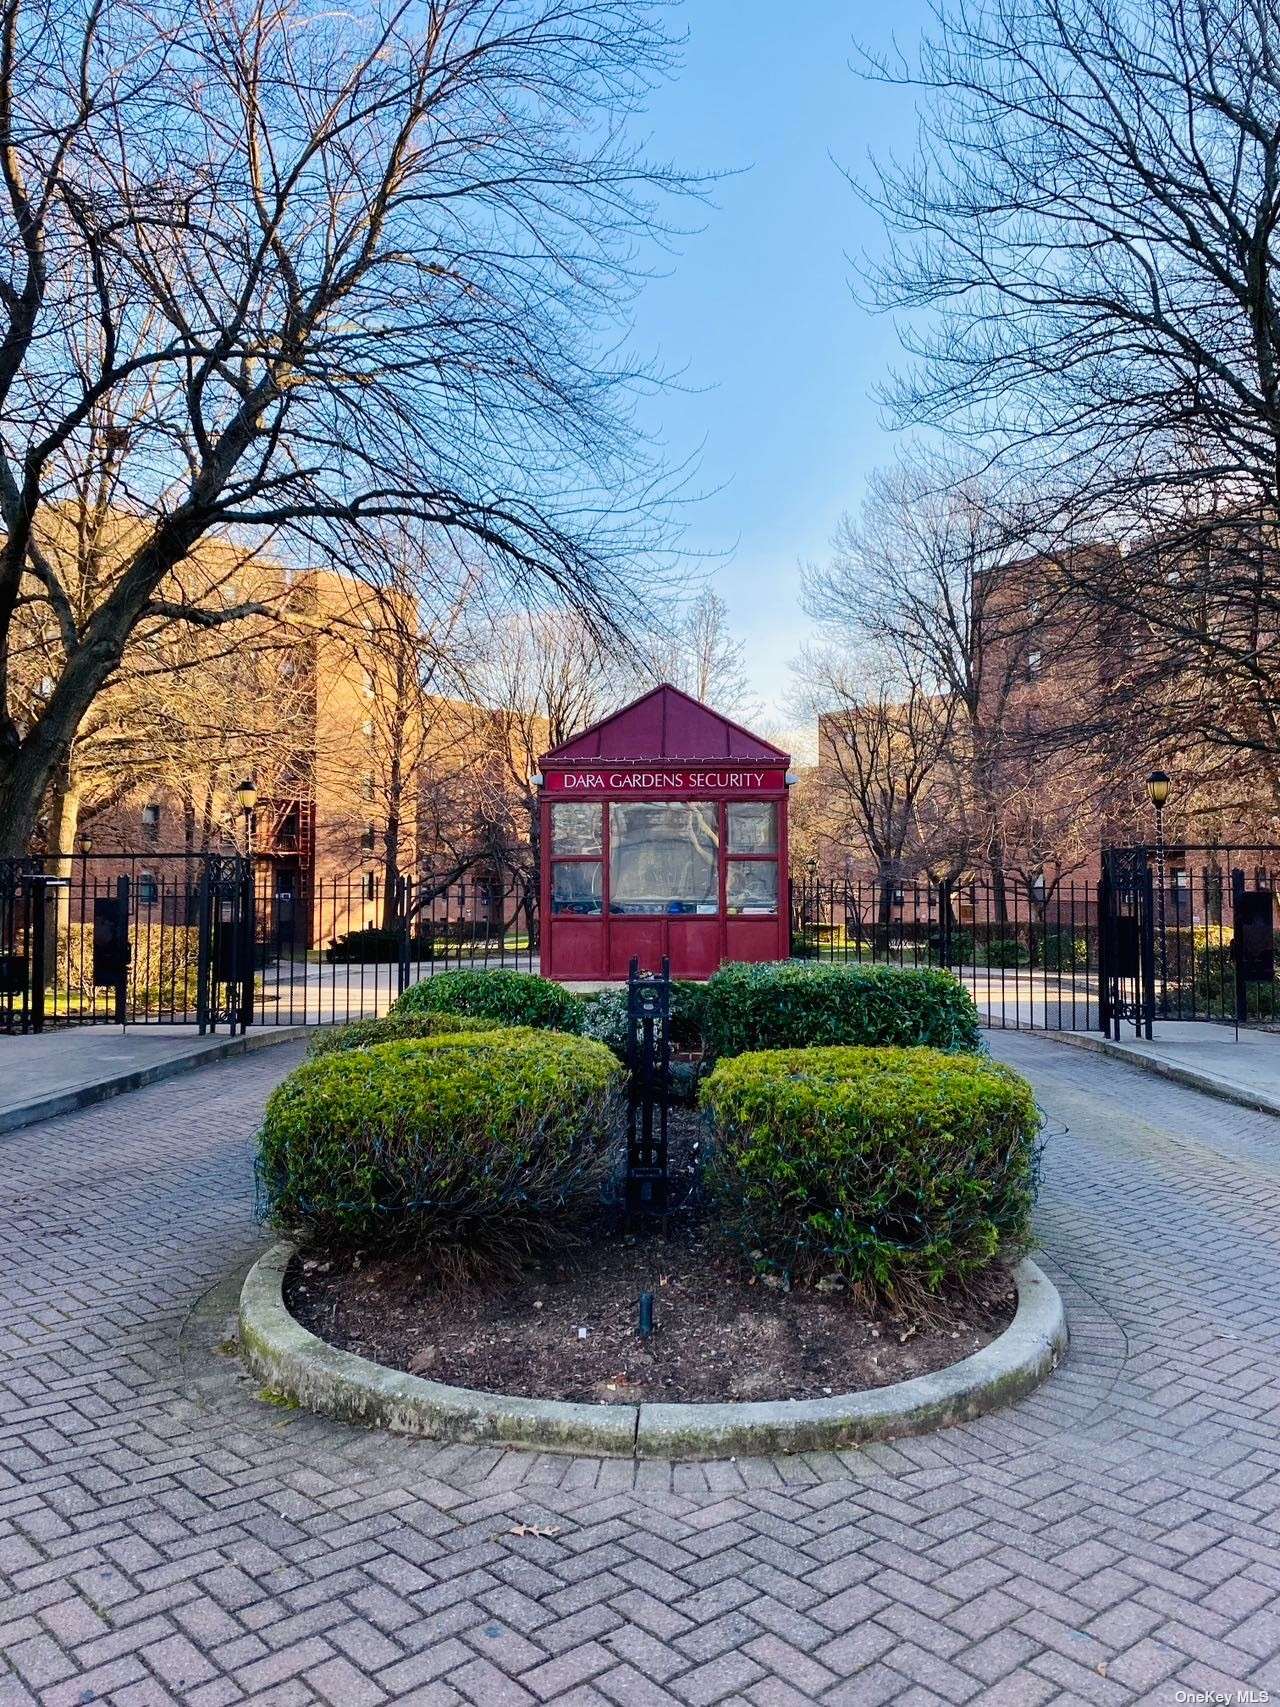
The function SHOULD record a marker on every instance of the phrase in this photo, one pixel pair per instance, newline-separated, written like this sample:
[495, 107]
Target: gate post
[1104, 955]
[1237, 926]
[204, 948]
[122, 968]
[1148, 953]
[248, 945]
[944, 921]
[404, 897]
[37, 919]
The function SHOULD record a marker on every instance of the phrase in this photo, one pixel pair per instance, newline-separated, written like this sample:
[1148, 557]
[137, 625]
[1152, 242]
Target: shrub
[962, 947]
[793, 1004]
[1006, 951]
[163, 972]
[392, 1028]
[1200, 976]
[898, 1169]
[605, 1016]
[371, 945]
[517, 998]
[1063, 951]
[472, 1148]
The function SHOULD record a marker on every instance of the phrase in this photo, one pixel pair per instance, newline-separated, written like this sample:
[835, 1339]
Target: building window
[371, 886]
[367, 840]
[1034, 660]
[148, 889]
[370, 788]
[664, 857]
[151, 821]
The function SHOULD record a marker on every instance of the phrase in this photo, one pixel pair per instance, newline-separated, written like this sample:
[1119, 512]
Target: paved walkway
[62, 1069]
[166, 1535]
[1241, 1065]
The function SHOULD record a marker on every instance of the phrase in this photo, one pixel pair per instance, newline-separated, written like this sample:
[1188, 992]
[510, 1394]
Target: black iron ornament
[648, 1187]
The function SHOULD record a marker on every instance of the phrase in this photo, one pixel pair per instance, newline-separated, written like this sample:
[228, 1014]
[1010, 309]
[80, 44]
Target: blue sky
[758, 304]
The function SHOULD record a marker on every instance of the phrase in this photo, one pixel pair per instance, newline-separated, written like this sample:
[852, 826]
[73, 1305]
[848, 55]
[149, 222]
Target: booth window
[575, 828]
[576, 870]
[664, 857]
[751, 877]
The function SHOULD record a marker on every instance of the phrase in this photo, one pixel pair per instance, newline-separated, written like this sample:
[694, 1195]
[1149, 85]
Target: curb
[102, 1090]
[293, 1362]
[1195, 1078]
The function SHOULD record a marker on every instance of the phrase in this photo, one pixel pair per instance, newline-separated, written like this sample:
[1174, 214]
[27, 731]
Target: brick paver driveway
[168, 1536]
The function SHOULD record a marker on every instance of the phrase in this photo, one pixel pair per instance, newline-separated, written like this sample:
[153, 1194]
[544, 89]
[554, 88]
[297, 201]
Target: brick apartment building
[350, 742]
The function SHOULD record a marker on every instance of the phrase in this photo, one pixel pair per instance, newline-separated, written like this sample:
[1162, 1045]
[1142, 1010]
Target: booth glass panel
[575, 886]
[664, 857]
[752, 886]
[753, 826]
[576, 827]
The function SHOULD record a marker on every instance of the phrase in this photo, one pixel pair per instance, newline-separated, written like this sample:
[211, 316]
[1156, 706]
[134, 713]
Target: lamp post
[86, 842]
[247, 795]
[1158, 795]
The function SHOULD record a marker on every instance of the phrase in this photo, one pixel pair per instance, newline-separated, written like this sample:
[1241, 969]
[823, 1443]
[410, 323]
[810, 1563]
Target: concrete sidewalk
[1242, 1068]
[67, 1069]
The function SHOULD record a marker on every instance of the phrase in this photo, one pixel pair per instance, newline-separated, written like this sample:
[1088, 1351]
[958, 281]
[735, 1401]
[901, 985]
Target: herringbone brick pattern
[167, 1536]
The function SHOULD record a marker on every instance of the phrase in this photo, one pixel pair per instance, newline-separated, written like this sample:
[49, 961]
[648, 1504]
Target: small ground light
[646, 1315]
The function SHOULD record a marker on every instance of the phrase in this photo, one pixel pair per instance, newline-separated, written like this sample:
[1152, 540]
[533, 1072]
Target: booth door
[664, 886]
[692, 945]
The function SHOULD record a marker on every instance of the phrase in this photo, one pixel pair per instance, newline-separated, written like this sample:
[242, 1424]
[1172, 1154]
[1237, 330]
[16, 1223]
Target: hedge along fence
[473, 1148]
[394, 1028]
[899, 1170]
[796, 1004]
[515, 998]
[163, 975]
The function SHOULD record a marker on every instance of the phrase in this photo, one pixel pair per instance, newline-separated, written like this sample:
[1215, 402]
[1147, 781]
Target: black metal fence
[203, 940]
[342, 948]
[1180, 933]
[1029, 955]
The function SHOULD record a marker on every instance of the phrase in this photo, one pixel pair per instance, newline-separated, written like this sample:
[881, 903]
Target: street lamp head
[86, 842]
[1157, 789]
[247, 794]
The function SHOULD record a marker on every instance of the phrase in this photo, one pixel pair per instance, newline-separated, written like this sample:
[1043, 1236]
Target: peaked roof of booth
[664, 724]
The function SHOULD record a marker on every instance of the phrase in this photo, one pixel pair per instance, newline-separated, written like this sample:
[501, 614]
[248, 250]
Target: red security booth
[664, 833]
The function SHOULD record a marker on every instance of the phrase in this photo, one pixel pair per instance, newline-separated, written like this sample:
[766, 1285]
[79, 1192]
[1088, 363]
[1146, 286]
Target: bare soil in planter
[569, 1330]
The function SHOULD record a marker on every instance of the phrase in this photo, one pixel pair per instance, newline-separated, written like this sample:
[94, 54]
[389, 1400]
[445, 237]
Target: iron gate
[126, 939]
[1189, 934]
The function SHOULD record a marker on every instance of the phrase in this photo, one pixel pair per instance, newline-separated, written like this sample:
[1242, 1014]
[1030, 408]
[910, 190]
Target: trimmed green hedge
[796, 1004]
[393, 1028]
[897, 1169]
[605, 1016]
[473, 1148]
[515, 998]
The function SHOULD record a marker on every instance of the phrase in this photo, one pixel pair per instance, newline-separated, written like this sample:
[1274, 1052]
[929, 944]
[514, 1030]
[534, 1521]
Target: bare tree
[932, 577]
[411, 730]
[882, 744]
[1091, 221]
[544, 677]
[699, 654]
[285, 274]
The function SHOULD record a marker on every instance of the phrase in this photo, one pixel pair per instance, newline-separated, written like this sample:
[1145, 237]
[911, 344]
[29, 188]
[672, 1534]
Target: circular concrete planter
[298, 1366]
